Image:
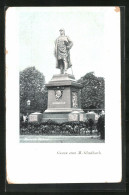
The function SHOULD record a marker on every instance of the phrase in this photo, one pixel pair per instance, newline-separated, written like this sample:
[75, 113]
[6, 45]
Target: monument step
[60, 77]
[64, 117]
[63, 110]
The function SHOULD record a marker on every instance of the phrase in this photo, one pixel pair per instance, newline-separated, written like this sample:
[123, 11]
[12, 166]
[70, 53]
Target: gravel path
[59, 139]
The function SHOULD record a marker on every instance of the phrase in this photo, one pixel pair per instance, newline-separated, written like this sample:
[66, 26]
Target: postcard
[63, 95]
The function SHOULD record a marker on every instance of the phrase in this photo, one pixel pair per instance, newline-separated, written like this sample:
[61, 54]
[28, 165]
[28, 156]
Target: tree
[93, 91]
[32, 88]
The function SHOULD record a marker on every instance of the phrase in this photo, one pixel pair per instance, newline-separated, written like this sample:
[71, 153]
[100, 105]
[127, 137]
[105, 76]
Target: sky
[38, 27]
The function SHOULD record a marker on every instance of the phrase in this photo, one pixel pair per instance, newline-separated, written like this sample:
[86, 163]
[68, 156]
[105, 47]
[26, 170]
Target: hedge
[53, 128]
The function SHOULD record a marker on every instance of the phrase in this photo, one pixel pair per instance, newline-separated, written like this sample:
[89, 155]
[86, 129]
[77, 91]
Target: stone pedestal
[35, 117]
[63, 98]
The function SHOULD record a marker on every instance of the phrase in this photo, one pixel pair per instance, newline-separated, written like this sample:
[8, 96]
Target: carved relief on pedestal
[58, 94]
[74, 99]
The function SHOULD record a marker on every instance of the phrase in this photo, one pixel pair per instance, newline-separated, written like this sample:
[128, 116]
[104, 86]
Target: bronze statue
[62, 52]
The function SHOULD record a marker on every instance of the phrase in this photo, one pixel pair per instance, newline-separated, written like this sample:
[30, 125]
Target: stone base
[64, 103]
[58, 117]
[35, 117]
[64, 116]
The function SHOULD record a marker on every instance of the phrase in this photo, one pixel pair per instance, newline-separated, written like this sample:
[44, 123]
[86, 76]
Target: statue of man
[62, 52]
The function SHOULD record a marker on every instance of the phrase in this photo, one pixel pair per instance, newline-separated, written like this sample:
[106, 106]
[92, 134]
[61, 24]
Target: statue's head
[62, 31]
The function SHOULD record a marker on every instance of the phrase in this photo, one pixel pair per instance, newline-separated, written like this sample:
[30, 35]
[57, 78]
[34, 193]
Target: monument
[64, 92]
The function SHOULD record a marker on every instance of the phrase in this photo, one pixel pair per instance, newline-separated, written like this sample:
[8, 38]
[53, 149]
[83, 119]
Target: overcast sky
[38, 28]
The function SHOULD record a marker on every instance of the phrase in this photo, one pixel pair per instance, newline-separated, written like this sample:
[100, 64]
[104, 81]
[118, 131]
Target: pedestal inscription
[58, 102]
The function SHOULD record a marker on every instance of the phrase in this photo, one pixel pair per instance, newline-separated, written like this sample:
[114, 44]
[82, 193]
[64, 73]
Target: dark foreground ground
[59, 139]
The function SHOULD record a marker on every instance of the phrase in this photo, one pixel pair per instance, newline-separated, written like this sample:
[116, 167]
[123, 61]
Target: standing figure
[62, 52]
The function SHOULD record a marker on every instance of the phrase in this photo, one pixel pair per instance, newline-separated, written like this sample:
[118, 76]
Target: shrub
[101, 126]
[76, 129]
[57, 129]
[52, 127]
[50, 122]
[70, 129]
